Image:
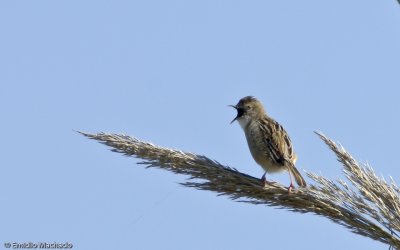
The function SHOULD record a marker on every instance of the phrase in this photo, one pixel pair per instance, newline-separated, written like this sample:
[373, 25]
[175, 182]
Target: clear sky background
[165, 71]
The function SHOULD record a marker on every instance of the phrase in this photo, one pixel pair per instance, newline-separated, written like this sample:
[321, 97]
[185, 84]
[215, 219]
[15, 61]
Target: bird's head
[248, 108]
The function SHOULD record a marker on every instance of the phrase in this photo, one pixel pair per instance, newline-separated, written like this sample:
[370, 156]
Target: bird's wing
[277, 142]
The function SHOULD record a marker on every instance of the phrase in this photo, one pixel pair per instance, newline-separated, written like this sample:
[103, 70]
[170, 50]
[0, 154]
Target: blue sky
[165, 71]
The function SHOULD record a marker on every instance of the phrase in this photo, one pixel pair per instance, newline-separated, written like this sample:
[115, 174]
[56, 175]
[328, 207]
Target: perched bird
[268, 142]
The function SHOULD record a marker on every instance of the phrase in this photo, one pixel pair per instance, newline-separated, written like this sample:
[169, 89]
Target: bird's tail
[297, 176]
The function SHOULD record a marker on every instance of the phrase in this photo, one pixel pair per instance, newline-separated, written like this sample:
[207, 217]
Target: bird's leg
[263, 180]
[291, 187]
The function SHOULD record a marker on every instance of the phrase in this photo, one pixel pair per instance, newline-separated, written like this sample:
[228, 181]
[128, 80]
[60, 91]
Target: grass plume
[366, 204]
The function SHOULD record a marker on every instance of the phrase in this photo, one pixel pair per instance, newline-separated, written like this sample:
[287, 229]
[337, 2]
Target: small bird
[268, 142]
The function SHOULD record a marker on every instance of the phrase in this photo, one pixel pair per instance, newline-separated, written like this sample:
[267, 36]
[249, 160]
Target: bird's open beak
[237, 116]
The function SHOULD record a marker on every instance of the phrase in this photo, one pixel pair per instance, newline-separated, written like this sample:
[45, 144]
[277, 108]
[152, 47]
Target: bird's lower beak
[237, 116]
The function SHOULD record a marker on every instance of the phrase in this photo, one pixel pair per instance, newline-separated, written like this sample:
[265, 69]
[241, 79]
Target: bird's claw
[291, 187]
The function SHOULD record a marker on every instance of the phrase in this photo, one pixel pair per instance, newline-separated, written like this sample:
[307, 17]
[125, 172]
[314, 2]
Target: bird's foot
[264, 181]
[291, 187]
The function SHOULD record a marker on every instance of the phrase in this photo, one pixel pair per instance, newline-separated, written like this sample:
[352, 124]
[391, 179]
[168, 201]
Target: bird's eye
[248, 107]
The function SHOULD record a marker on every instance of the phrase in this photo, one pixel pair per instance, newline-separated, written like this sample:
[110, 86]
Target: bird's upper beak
[239, 114]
